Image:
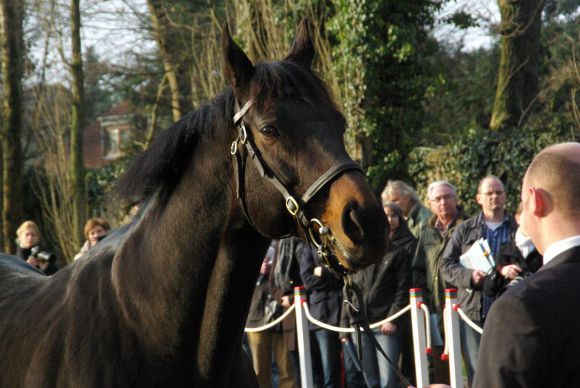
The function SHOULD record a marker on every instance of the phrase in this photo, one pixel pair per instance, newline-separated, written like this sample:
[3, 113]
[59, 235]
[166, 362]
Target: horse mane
[164, 162]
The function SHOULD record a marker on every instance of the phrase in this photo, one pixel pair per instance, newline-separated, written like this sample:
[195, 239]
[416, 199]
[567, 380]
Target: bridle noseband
[294, 205]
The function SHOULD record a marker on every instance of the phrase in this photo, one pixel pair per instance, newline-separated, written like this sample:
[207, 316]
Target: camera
[41, 255]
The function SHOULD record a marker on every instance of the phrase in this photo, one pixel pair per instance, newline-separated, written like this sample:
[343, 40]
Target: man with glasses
[432, 238]
[497, 227]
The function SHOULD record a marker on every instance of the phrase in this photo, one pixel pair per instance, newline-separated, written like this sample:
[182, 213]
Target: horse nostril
[351, 223]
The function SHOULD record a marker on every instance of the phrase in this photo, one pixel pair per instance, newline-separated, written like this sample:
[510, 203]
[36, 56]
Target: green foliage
[381, 59]
[99, 184]
[466, 161]
[460, 100]
[100, 91]
[462, 20]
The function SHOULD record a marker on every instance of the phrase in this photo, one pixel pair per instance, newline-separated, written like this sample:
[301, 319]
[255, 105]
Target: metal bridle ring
[318, 244]
[243, 134]
[234, 147]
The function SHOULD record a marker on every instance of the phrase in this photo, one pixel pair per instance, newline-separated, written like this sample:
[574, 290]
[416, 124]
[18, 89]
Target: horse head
[294, 176]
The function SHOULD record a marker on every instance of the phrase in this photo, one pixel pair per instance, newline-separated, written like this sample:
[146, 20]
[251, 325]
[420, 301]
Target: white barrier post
[452, 338]
[419, 340]
[303, 335]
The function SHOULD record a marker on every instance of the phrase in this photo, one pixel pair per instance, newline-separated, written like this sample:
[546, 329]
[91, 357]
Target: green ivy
[465, 161]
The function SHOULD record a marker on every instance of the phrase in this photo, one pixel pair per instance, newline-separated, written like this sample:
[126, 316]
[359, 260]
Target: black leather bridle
[315, 231]
[295, 206]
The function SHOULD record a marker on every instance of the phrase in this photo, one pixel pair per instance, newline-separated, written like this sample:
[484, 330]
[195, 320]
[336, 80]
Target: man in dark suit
[531, 337]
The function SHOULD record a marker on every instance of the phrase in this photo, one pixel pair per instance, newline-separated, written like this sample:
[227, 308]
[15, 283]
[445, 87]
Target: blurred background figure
[95, 230]
[408, 200]
[29, 249]
[385, 291]
[324, 290]
[268, 346]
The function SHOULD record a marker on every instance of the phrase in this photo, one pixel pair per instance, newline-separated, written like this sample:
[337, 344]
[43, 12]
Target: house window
[115, 142]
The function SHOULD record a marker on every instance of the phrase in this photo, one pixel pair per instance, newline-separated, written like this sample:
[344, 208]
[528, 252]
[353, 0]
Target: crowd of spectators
[426, 243]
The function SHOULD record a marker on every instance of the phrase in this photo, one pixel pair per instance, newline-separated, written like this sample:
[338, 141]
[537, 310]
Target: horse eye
[269, 131]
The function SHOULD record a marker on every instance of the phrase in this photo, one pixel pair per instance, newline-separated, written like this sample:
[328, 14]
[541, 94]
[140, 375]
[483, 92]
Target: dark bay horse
[162, 302]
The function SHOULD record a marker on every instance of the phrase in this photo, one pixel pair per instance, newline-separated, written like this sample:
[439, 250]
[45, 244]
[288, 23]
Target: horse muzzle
[357, 221]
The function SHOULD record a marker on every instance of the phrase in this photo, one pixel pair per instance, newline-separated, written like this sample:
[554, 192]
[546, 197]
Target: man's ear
[238, 69]
[537, 201]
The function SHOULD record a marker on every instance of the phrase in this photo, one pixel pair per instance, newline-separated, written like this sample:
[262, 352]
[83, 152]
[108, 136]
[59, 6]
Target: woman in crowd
[29, 249]
[95, 230]
[385, 287]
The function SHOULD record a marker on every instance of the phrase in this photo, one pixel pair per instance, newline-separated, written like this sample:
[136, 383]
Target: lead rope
[357, 315]
[359, 321]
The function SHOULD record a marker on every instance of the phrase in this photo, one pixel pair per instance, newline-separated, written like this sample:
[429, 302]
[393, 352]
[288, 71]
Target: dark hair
[396, 209]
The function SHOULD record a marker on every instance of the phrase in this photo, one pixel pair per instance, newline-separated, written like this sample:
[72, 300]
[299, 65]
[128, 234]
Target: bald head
[556, 170]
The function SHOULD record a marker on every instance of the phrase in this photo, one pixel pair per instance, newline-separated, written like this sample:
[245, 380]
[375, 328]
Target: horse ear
[238, 68]
[302, 51]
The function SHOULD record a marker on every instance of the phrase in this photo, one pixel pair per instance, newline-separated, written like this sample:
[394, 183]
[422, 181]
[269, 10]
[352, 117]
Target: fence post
[303, 335]
[419, 340]
[452, 338]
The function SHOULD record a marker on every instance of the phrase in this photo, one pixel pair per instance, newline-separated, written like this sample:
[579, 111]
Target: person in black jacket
[517, 259]
[324, 300]
[29, 248]
[284, 277]
[385, 291]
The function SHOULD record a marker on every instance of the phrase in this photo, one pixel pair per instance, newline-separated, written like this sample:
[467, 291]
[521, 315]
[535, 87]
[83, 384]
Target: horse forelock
[273, 81]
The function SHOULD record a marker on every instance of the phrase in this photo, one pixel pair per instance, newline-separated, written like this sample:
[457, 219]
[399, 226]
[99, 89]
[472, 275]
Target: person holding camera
[95, 230]
[29, 249]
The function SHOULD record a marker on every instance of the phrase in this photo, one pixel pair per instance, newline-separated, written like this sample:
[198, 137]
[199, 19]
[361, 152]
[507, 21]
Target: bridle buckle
[292, 206]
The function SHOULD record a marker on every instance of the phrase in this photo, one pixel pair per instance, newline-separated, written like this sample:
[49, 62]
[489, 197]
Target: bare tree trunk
[517, 84]
[159, 29]
[11, 17]
[53, 189]
[76, 126]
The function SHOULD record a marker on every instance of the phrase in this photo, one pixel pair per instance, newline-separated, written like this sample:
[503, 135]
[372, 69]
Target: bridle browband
[294, 205]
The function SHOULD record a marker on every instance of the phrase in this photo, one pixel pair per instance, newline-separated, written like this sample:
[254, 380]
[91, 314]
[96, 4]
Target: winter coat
[462, 238]
[385, 285]
[324, 292]
[427, 261]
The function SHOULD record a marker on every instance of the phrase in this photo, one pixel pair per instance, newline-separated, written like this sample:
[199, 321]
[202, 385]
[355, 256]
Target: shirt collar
[560, 246]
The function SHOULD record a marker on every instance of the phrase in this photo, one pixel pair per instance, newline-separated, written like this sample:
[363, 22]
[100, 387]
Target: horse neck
[185, 273]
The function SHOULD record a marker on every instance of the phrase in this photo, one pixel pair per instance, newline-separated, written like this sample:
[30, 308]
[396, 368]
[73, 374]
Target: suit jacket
[532, 335]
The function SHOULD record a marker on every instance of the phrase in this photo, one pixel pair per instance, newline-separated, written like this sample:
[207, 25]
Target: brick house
[106, 139]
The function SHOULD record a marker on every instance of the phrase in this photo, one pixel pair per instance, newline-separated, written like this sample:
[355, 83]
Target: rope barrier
[271, 324]
[467, 320]
[350, 329]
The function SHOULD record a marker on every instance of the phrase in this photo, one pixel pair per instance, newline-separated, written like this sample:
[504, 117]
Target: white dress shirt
[560, 246]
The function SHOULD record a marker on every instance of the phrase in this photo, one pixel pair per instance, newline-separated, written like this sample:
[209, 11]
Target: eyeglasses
[445, 197]
[490, 193]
